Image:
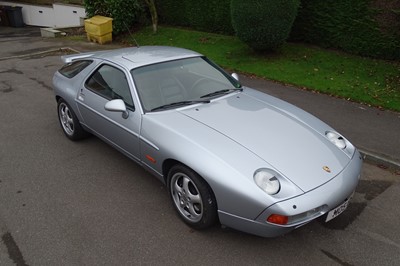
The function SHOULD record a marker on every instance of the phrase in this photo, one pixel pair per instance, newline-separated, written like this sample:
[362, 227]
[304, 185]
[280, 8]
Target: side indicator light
[151, 159]
[278, 219]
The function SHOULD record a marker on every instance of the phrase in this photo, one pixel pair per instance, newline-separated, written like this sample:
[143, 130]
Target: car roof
[133, 57]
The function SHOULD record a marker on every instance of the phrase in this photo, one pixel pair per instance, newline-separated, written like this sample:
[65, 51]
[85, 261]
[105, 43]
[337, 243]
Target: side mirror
[117, 105]
[235, 76]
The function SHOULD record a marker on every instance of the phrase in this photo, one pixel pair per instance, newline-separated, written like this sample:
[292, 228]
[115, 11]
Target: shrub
[124, 13]
[263, 24]
[355, 26]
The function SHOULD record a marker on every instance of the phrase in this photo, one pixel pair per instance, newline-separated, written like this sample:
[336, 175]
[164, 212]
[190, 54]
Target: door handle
[81, 96]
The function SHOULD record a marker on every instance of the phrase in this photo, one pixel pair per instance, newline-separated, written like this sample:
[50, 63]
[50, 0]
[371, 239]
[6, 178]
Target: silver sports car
[227, 153]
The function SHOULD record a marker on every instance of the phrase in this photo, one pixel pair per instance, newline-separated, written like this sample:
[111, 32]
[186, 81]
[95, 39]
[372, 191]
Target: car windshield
[181, 82]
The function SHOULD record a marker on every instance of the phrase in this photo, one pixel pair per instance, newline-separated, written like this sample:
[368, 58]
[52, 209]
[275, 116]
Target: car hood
[282, 135]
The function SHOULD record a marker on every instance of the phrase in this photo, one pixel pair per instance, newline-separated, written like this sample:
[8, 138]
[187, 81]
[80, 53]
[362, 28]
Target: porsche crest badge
[326, 169]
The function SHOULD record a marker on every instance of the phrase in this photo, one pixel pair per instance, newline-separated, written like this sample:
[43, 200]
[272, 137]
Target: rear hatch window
[72, 69]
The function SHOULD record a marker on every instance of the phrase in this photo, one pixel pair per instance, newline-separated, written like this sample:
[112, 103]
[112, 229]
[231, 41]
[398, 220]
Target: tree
[153, 12]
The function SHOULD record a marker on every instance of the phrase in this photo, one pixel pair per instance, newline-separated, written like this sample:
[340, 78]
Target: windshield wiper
[175, 104]
[215, 93]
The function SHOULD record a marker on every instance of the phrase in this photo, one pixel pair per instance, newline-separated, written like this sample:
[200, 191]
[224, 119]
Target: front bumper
[323, 198]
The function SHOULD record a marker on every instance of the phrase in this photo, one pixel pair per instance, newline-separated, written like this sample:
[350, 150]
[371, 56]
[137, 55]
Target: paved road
[83, 203]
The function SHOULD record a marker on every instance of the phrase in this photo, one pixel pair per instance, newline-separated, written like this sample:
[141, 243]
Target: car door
[106, 83]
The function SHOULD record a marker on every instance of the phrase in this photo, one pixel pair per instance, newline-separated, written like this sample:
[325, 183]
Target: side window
[111, 83]
[72, 69]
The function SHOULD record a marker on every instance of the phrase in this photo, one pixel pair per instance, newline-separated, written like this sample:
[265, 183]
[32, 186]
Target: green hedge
[206, 15]
[263, 24]
[350, 25]
[355, 26]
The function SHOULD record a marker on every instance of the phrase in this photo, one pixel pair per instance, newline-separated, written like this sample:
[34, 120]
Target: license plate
[337, 211]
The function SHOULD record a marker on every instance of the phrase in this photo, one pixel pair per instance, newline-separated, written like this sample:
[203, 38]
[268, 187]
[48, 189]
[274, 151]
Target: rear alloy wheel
[69, 122]
[192, 197]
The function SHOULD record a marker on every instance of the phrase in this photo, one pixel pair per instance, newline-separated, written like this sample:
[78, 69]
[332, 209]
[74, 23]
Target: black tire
[192, 197]
[69, 122]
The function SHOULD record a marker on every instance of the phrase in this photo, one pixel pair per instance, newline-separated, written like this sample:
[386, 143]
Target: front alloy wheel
[192, 197]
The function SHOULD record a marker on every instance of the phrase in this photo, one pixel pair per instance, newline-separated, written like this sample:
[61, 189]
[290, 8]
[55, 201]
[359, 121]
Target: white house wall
[58, 15]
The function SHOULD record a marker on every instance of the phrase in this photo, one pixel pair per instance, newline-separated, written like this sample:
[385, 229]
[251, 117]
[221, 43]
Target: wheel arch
[169, 163]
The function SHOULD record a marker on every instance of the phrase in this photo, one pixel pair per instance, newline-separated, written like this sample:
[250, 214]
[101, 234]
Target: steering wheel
[198, 88]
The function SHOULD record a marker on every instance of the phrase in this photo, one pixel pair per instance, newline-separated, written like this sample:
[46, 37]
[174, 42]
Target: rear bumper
[323, 198]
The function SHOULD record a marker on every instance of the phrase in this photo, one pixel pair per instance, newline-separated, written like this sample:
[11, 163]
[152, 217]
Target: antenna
[137, 44]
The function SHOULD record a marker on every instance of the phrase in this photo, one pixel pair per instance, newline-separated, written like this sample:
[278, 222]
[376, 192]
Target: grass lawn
[365, 80]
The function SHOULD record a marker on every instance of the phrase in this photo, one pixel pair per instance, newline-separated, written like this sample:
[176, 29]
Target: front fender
[224, 164]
